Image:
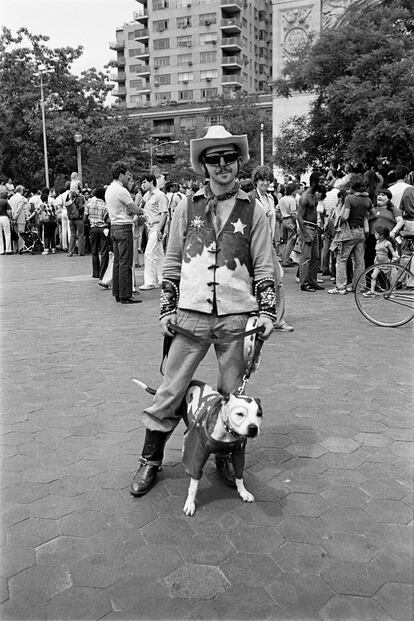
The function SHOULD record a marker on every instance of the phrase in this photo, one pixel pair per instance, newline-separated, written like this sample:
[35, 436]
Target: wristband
[169, 297]
[264, 291]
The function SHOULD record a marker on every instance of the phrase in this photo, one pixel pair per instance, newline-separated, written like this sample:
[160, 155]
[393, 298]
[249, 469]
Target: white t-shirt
[156, 204]
[397, 190]
[117, 199]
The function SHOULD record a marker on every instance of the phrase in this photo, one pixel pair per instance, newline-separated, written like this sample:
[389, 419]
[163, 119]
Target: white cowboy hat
[216, 136]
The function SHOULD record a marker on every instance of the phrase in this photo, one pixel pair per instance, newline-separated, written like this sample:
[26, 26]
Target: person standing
[47, 219]
[287, 205]
[18, 204]
[156, 212]
[5, 215]
[307, 218]
[218, 271]
[121, 209]
[75, 207]
[96, 211]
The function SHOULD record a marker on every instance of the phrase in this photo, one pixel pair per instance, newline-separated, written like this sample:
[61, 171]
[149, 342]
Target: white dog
[220, 425]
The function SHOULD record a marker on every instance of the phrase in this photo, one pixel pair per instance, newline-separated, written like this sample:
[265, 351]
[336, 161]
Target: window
[185, 95]
[161, 44]
[135, 84]
[164, 127]
[214, 119]
[162, 96]
[207, 93]
[160, 25]
[210, 73]
[182, 4]
[134, 51]
[184, 59]
[188, 122]
[206, 39]
[162, 61]
[208, 57]
[163, 79]
[184, 41]
[207, 19]
[133, 34]
[135, 68]
[185, 77]
[183, 22]
[202, 2]
[157, 5]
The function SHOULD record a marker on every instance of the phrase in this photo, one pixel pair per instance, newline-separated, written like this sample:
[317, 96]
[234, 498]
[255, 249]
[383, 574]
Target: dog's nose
[252, 430]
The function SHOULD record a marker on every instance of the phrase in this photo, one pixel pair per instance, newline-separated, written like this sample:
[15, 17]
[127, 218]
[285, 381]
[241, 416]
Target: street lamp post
[42, 107]
[155, 146]
[78, 139]
[261, 144]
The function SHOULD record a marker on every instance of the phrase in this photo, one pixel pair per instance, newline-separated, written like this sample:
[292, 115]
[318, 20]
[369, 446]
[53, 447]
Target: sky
[91, 23]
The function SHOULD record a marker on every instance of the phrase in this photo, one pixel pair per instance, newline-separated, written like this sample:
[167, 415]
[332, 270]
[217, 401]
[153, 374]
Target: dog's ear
[259, 407]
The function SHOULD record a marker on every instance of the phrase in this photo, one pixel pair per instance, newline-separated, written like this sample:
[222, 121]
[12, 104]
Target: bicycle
[391, 303]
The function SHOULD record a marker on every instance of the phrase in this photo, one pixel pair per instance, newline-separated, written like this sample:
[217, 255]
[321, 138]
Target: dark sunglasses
[214, 159]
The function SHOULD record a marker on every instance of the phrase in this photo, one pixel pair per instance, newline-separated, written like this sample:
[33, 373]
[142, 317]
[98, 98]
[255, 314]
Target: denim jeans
[354, 248]
[309, 259]
[184, 357]
[123, 247]
[99, 244]
[290, 237]
[77, 234]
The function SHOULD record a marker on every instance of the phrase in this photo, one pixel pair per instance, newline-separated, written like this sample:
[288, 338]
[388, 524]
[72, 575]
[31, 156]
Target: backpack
[72, 210]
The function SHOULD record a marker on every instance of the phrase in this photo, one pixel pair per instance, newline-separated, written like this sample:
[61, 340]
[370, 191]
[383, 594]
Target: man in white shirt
[400, 186]
[121, 209]
[156, 212]
[18, 204]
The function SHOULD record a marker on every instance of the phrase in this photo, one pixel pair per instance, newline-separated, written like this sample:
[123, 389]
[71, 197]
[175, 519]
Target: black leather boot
[225, 470]
[150, 462]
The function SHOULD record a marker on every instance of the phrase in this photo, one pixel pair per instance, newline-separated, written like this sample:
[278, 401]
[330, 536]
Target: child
[75, 185]
[383, 248]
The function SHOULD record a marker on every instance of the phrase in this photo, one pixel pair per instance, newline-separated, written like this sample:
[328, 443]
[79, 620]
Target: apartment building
[183, 51]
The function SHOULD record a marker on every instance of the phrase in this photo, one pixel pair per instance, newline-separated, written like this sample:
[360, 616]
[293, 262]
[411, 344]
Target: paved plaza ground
[330, 536]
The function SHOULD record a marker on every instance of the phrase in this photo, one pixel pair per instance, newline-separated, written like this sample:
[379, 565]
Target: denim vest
[217, 270]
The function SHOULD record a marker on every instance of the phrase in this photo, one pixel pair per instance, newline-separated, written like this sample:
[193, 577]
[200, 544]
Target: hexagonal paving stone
[131, 514]
[403, 449]
[82, 523]
[372, 439]
[116, 541]
[261, 513]
[168, 531]
[24, 493]
[98, 571]
[303, 529]
[305, 449]
[136, 591]
[340, 445]
[397, 567]
[344, 608]
[98, 502]
[392, 537]
[397, 599]
[385, 489]
[196, 581]
[348, 520]
[44, 474]
[250, 569]
[207, 549]
[255, 539]
[347, 578]
[15, 558]
[52, 507]
[63, 550]
[301, 558]
[242, 602]
[78, 603]
[348, 547]
[12, 514]
[341, 496]
[299, 482]
[299, 594]
[32, 532]
[311, 505]
[39, 584]
[389, 511]
[153, 560]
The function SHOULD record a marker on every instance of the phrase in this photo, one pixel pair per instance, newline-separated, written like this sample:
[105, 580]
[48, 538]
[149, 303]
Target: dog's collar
[231, 431]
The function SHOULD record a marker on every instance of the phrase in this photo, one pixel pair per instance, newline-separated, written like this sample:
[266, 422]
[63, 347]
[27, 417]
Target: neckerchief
[213, 199]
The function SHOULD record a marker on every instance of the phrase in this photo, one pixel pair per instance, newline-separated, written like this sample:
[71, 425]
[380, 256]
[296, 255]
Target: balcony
[120, 61]
[145, 88]
[232, 80]
[231, 62]
[143, 70]
[118, 76]
[141, 17]
[231, 44]
[143, 2]
[163, 130]
[231, 6]
[231, 26]
[117, 45]
[144, 55]
[119, 92]
[142, 35]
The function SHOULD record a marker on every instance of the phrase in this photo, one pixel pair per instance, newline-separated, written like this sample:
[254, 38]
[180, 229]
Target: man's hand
[166, 322]
[265, 322]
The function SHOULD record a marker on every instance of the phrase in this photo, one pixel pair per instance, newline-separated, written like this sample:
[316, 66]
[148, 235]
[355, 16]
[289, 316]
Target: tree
[72, 104]
[363, 80]
[241, 114]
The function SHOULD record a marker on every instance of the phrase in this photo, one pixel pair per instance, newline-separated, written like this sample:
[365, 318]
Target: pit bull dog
[217, 424]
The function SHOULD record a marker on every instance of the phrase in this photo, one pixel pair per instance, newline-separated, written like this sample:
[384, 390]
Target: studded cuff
[264, 291]
[169, 297]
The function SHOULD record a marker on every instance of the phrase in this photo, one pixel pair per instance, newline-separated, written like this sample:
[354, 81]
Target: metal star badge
[197, 223]
[239, 226]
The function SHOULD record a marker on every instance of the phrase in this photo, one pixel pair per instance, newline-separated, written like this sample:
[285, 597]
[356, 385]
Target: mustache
[223, 169]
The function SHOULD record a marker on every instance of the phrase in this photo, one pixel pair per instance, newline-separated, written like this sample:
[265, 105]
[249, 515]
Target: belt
[312, 224]
[355, 226]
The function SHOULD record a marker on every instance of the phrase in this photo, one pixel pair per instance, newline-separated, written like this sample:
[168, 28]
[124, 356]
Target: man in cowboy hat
[218, 270]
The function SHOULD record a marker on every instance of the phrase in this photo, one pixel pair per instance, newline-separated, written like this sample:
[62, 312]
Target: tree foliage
[362, 77]
[72, 104]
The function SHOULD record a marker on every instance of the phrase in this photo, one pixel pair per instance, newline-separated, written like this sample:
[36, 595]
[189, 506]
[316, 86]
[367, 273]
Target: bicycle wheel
[392, 304]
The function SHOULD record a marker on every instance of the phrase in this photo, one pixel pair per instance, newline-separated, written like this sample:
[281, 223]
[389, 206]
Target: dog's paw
[246, 496]
[189, 507]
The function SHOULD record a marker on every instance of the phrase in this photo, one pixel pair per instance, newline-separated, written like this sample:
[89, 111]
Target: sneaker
[53, 250]
[336, 291]
[283, 326]
[332, 278]
[146, 287]
[70, 254]
[370, 294]
[45, 252]
[319, 280]
[297, 279]
[349, 288]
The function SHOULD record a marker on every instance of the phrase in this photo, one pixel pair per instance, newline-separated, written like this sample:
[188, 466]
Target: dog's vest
[217, 270]
[198, 443]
